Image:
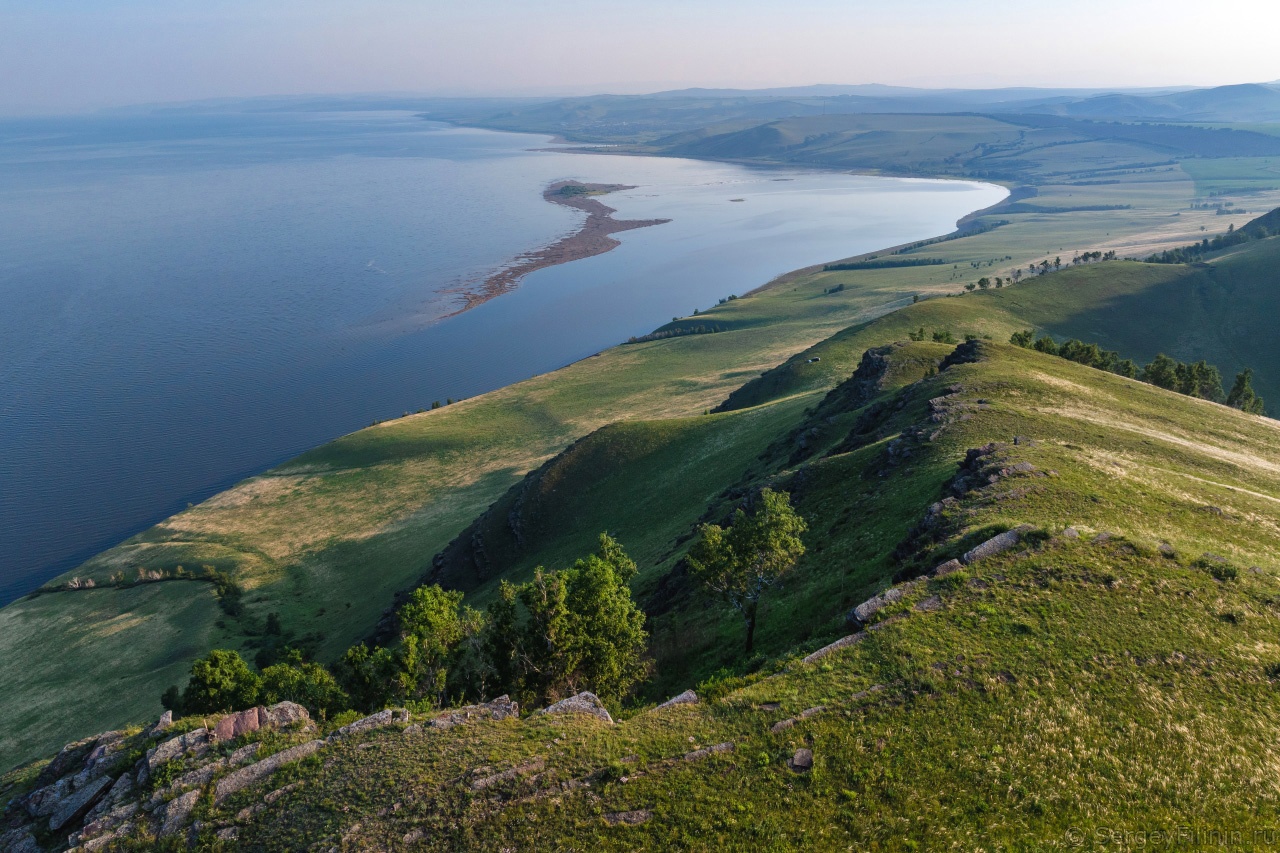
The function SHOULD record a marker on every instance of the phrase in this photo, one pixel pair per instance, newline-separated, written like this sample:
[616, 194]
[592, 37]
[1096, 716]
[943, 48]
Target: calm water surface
[187, 300]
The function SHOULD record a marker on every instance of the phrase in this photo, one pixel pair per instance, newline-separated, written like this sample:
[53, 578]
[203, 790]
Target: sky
[60, 56]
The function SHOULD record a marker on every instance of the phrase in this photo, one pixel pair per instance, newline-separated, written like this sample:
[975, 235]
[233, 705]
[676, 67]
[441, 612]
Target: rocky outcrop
[864, 611]
[387, 717]
[254, 773]
[77, 805]
[686, 698]
[195, 743]
[708, 751]
[995, 545]
[842, 643]
[583, 703]
[501, 708]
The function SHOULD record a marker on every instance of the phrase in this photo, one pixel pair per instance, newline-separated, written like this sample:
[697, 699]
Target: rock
[1101, 538]
[240, 723]
[507, 775]
[686, 698]
[19, 841]
[1070, 533]
[162, 724]
[875, 604]
[583, 703]
[177, 812]
[196, 742]
[995, 545]
[413, 836]
[43, 801]
[68, 758]
[108, 744]
[270, 798]
[814, 711]
[932, 604]
[109, 821]
[699, 754]
[863, 694]
[246, 776]
[842, 643]
[633, 818]
[373, 721]
[947, 568]
[78, 804]
[230, 833]
[103, 842]
[802, 761]
[499, 709]
[119, 792]
[283, 714]
[1167, 550]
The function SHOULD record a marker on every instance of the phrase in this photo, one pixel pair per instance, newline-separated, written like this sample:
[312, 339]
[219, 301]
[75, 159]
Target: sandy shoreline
[591, 238]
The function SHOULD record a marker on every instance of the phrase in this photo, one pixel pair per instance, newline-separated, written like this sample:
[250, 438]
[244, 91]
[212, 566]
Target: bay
[186, 300]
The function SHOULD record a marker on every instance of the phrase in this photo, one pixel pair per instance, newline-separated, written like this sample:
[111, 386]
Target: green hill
[1110, 671]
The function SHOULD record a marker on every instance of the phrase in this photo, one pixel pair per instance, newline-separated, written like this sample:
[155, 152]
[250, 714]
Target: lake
[188, 299]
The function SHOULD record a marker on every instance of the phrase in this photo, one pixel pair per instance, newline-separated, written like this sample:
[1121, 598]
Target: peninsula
[591, 238]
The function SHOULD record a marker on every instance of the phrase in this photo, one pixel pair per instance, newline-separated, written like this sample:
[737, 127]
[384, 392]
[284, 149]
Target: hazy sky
[67, 55]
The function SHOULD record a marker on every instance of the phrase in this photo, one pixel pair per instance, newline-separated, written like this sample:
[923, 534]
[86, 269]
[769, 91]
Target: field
[327, 539]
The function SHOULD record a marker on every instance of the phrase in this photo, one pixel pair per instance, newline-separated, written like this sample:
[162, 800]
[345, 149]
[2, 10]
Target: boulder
[78, 804]
[583, 703]
[686, 698]
[802, 761]
[995, 545]
[875, 604]
[240, 723]
[163, 724]
[842, 643]
[930, 605]
[507, 775]
[246, 776]
[947, 568]
[196, 742]
[42, 801]
[283, 715]
[632, 818]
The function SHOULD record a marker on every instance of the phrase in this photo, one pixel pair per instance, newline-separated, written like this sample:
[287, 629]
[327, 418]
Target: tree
[1162, 372]
[1023, 339]
[308, 684]
[1200, 380]
[369, 676]
[220, 682]
[740, 563]
[1242, 395]
[1046, 345]
[567, 631]
[433, 625]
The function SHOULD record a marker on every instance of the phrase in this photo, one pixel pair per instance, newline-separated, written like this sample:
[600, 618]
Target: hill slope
[1110, 671]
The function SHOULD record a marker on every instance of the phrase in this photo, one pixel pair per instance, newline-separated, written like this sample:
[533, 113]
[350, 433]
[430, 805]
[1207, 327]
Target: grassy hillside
[1117, 678]
[1112, 672]
[326, 540]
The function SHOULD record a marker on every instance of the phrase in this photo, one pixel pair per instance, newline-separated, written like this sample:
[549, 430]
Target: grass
[328, 538]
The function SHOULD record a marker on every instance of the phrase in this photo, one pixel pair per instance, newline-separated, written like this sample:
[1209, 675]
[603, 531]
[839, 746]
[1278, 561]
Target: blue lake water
[187, 300]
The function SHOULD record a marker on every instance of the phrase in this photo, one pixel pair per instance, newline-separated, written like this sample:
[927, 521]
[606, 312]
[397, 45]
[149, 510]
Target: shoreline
[592, 238]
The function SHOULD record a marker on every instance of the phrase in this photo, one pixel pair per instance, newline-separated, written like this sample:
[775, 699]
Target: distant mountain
[1246, 102]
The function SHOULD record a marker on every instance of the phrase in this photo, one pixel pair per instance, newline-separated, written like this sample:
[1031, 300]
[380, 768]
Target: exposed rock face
[686, 698]
[507, 775]
[633, 818]
[842, 643]
[583, 703]
[995, 545]
[501, 708]
[242, 722]
[374, 721]
[196, 742]
[876, 603]
[706, 751]
[243, 778]
[177, 812]
[78, 804]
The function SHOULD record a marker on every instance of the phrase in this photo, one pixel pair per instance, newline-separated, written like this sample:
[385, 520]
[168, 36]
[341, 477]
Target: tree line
[1195, 379]
[558, 634]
